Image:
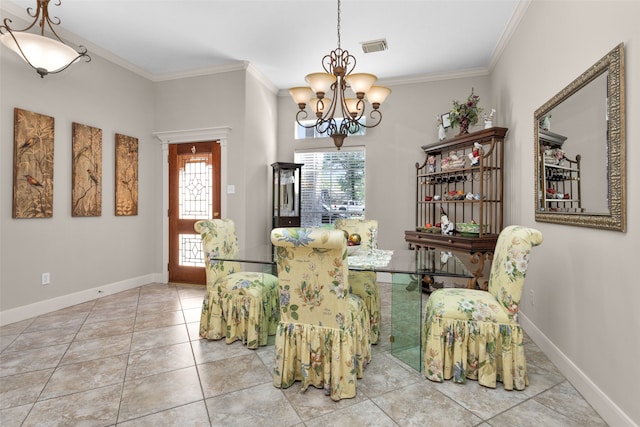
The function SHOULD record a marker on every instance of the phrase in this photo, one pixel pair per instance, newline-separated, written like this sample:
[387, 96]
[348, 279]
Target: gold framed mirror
[580, 155]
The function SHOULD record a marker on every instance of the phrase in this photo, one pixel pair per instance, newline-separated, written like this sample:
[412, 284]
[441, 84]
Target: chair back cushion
[218, 238]
[509, 266]
[312, 274]
[366, 228]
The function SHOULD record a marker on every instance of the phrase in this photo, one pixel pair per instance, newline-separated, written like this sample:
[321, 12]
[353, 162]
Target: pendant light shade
[47, 55]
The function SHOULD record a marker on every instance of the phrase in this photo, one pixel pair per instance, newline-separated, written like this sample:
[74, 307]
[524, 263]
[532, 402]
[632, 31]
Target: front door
[194, 194]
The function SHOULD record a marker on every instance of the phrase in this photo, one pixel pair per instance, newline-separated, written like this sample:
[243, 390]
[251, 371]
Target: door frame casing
[220, 134]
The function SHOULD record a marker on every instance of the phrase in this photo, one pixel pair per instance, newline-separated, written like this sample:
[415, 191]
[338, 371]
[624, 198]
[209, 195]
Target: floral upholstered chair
[474, 334]
[365, 283]
[237, 305]
[323, 337]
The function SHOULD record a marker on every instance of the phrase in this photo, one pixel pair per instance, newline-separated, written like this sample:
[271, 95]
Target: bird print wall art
[126, 175]
[32, 164]
[86, 173]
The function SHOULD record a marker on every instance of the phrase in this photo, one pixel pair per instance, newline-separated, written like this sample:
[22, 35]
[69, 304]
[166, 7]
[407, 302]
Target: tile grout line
[124, 376]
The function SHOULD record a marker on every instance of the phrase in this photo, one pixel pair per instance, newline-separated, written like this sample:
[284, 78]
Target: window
[333, 184]
[301, 132]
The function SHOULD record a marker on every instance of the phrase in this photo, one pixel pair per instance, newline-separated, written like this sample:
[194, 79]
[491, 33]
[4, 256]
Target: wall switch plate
[46, 278]
[231, 189]
[531, 296]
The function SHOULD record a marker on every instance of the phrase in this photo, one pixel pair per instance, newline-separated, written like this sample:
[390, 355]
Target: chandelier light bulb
[301, 95]
[319, 105]
[320, 83]
[360, 83]
[352, 106]
[377, 95]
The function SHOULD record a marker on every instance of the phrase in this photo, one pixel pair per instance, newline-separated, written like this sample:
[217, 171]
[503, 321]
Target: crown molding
[194, 135]
[508, 32]
[251, 69]
[215, 69]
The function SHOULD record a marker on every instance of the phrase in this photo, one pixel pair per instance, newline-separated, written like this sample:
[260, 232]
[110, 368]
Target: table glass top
[424, 261]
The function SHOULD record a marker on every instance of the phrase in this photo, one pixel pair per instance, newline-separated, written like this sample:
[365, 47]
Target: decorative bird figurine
[31, 180]
[29, 142]
[92, 177]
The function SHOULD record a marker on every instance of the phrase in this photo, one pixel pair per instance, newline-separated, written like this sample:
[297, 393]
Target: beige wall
[240, 101]
[584, 312]
[260, 152]
[81, 254]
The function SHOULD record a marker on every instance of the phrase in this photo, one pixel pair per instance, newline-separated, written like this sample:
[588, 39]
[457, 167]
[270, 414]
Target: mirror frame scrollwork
[613, 63]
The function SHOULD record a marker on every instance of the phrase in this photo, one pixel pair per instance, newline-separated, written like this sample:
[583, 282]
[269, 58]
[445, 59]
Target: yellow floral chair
[237, 305]
[365, 283]
[323, 337]
[474, 334]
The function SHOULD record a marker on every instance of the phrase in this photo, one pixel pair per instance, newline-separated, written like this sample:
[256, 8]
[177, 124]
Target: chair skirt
[241, 306]
[365, 285]
[328, 358]
[487, 347]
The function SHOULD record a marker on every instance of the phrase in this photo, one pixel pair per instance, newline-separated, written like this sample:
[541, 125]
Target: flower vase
[464, 125]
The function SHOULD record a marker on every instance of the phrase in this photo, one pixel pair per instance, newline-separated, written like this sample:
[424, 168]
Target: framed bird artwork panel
[126, 175]
[32, 164]
[86, 173]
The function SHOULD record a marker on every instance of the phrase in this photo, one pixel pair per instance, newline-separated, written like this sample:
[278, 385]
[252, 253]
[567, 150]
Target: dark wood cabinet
[464, 177]
[286, 194]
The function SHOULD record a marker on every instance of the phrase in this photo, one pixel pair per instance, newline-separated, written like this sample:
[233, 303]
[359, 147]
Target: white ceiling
[285, 39]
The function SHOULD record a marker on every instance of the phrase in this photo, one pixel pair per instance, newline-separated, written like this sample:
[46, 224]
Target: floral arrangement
[466, 113]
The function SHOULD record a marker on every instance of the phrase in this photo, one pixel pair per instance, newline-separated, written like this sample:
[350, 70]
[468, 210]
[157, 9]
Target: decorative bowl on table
[470, 229]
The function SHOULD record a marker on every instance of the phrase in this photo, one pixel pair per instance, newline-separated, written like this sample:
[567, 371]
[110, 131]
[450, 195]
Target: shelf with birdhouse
[459, 196]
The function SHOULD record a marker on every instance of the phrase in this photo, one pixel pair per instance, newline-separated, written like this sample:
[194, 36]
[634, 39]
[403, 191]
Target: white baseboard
[42, 307]
[606, 408]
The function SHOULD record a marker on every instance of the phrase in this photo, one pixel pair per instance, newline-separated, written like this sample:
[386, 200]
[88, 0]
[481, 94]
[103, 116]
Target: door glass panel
[190, 250]
[195, 188]
[195, 202]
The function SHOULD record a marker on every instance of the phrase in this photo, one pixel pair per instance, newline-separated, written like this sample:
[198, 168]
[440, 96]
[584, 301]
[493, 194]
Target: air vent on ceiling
[374, 45]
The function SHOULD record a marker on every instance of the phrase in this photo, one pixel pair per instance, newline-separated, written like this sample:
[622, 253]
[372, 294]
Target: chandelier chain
[338, 27]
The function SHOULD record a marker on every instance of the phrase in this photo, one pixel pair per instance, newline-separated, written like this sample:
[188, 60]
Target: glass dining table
[405, 269]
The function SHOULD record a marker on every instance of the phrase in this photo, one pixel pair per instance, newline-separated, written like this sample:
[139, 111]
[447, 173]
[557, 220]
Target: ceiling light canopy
[339, 91]
[44, 54]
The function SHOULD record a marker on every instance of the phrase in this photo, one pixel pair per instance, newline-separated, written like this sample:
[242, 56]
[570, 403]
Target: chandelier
[45, 55]
[338, 78]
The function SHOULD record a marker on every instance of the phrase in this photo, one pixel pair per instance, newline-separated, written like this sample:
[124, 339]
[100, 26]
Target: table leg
[476, 281]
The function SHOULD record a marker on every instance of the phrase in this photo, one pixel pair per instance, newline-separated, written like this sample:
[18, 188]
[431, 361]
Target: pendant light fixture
[339, 91]
[46, 55]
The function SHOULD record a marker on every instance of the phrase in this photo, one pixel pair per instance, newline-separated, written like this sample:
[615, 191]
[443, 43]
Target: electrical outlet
[46, 278]
[531, 296]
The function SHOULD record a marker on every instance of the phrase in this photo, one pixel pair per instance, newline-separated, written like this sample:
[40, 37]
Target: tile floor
[134, 359]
